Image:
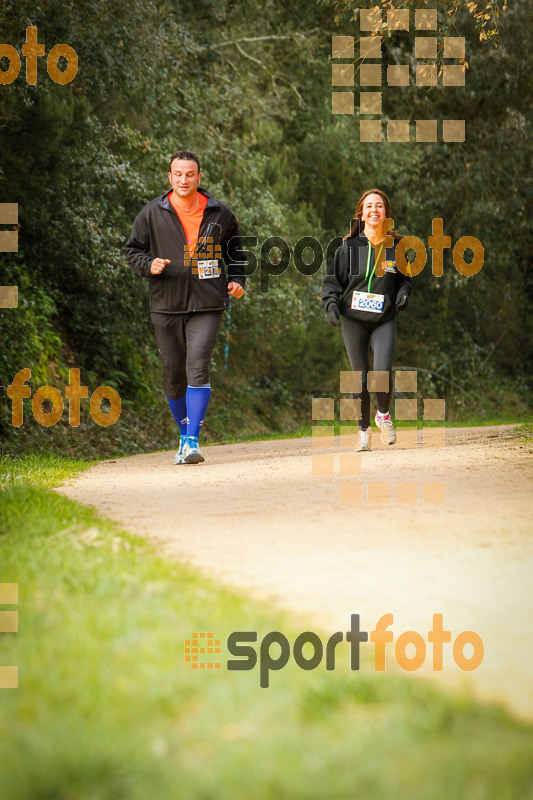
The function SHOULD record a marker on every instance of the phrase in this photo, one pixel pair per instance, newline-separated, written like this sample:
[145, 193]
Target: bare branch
[294, 35]
[241, 51]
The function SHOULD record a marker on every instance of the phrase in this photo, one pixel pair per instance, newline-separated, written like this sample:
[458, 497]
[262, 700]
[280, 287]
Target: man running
[178, 242]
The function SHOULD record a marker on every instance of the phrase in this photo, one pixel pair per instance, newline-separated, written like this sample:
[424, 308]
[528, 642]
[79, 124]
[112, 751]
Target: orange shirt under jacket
[191, 220]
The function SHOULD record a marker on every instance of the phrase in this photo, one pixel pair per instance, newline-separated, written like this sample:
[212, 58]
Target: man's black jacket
[158, 233]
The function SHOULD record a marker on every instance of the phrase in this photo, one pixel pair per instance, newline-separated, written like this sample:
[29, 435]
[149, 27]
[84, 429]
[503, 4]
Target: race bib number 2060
[365, 301]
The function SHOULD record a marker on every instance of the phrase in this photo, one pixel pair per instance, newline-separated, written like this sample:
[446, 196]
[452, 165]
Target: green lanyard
[368, 264]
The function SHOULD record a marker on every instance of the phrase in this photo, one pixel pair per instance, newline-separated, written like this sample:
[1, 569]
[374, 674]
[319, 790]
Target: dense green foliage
[249, 88]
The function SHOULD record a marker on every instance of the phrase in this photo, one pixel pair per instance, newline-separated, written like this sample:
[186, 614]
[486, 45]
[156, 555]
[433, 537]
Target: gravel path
[255, 516]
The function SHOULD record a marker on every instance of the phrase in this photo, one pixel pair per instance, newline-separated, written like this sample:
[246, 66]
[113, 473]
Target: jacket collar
[164, 202]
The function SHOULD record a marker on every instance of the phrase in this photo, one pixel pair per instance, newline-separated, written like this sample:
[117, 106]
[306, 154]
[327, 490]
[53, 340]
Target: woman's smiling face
[373, 210]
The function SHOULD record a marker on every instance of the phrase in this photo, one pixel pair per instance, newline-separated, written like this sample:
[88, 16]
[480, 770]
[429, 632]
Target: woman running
[369, 302]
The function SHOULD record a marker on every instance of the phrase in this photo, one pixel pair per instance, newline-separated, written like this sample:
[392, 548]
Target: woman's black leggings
[357, 336]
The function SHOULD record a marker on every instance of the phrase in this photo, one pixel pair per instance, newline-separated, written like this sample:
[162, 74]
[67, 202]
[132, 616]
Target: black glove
[333, 315]
[402, 299]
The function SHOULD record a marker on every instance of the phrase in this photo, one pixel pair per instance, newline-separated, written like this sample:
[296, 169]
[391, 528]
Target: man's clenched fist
[158, 265]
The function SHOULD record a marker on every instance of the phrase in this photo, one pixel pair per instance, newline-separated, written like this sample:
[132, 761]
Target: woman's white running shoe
[387, 432]
[364, 441]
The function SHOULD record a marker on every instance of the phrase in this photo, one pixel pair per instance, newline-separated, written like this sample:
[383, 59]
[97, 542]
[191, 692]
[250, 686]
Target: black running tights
[357, 338]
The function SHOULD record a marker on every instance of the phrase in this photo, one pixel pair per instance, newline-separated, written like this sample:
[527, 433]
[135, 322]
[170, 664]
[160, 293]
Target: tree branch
[295, 34]
[442, 378]
[241, 51]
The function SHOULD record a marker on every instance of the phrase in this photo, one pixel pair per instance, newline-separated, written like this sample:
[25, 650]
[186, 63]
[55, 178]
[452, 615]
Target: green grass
[307, 430]
[107, 708]
[525, 432]
[39, 470]
[420, 424]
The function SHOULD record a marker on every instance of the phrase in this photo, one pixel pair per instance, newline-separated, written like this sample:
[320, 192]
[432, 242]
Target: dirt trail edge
[255, 516]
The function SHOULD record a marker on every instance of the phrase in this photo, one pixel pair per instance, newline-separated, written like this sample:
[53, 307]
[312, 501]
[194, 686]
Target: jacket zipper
[210, 227]
[352, 284]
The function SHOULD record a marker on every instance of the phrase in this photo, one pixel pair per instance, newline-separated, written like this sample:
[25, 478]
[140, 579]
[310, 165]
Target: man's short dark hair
[184, 155]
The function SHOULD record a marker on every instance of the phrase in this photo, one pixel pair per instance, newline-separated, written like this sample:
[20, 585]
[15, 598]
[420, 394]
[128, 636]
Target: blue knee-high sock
[197, 402]
[179, 411]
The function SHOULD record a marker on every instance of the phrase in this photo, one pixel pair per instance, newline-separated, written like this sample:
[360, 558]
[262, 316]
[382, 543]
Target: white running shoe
[387, 432]
[364, 441]
[191, 452]
[178, 458]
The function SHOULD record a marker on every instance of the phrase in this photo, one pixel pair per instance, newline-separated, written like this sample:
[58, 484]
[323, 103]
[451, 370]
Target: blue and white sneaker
[178, 458]
[191, 452]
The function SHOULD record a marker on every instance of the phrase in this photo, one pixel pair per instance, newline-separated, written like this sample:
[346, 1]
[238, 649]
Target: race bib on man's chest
[365, 301]
[209, 269]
